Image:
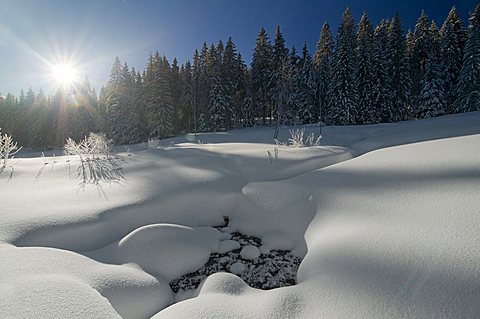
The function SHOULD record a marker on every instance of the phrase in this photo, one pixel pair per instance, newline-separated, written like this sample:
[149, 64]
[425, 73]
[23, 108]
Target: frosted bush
[153, 143]
[298, 139]
[96, 161]
[8, 149]
[90, 148]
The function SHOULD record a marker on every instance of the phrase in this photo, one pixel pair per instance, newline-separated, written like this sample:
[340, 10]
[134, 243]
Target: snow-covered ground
[385, 217]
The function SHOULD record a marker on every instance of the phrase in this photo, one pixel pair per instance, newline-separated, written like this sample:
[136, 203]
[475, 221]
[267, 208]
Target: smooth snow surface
[387, 218]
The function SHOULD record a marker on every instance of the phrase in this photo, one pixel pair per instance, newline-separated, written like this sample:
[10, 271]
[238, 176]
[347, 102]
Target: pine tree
[261, 75]
[220, 111]
[468, 87]
[323, 68]
[159, 102]
[187, 98]
[432, 100]
[364, 71]
[342, 87]
[120, 105]
[232, 70]
[398, 71]
[422, 45]
[174, 83]
[381, 111]
[307, 89]
[434, 33]
[279, 55]
[452, 41]
[291, 90]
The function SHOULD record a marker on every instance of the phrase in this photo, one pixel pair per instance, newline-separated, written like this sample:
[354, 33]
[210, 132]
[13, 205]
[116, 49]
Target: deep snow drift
[387, 234]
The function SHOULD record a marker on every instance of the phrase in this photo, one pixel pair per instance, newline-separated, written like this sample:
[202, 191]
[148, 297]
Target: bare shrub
[96, 161]
[273, 154]
[298, 139]
[153, 143]
[8, 149]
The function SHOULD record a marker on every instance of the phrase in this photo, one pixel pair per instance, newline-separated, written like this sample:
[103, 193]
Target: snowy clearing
[385, 217]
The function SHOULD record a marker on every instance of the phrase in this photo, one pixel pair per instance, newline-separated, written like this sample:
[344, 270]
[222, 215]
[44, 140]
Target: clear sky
[34, 33]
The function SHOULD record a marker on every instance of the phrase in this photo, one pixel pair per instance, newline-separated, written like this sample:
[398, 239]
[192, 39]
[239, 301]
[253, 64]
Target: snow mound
[250, 252]
[228, 245]
[237, 268]
[53, 297]
[169, 250]
[223, 283]
[131, 292]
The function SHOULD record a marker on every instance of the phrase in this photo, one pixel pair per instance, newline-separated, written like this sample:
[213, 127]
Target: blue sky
[34, 33]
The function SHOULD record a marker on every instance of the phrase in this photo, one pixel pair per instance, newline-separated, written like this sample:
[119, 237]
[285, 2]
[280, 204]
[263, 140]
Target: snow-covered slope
[390, 233]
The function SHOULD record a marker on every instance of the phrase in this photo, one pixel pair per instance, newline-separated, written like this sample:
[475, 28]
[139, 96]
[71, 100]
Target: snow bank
[165, 250]
[391, 233]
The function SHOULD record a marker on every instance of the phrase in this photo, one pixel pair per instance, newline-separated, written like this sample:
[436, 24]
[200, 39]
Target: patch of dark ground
[272, 269]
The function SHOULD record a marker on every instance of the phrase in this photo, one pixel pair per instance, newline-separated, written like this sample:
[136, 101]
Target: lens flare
[64, 74]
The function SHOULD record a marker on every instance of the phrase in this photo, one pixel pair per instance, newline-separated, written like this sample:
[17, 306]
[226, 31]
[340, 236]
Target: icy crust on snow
[392, 233]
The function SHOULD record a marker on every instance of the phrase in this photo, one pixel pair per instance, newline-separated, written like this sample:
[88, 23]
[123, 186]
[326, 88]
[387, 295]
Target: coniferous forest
[367, 74]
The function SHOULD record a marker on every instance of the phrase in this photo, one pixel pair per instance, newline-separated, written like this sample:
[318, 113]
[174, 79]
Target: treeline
[368, 74]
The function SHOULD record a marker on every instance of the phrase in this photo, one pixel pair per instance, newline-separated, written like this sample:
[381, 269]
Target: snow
[237, 268]
[228, 245]
[385, 218]
[250, 252]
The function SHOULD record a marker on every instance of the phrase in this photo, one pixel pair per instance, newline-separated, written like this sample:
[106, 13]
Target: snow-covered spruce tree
[175, 89]
[342, 86]
[422, 45]
[247, 114]
[381, 111]
[398, 71]
[261, 75]
[220, 107]
[119, 105]
[279, 55]
[307, 89]
[432, 99]
[289, 77]
[434, 33]
[323, 69]
[468, 87]
[159, 107]
[241, 87]
[364, 73]
[234, 81]
[140, 102]
[196, 72]
[203, 86]
[186, 81]
[452, 42]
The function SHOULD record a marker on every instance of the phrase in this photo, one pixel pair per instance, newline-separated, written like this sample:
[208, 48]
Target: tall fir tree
[279, 55]
[422, 46]
[323, 68]
[174, 83]
[119, 104]
[398, 71]
[364, 72]
[159, 104]
[307, 89]
[261, 74]
[342, 105]
[452, 42]
[468, 87]
[432, 99]
[381, 111]
[187, 97]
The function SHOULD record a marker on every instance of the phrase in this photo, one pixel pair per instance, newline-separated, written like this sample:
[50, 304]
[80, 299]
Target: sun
[64, 74]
